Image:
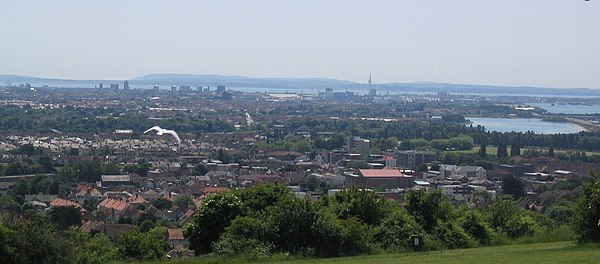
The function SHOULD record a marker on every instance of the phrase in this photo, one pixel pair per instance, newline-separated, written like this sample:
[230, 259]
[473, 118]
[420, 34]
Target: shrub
[396, 229]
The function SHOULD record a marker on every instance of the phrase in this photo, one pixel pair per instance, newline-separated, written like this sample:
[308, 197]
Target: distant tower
[126, 86]
[372, 91]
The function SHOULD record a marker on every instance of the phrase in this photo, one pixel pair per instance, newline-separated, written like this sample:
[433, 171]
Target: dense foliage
[587, 212]
[267, 219]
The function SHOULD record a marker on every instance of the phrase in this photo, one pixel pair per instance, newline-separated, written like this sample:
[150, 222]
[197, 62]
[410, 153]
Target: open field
[557, 252]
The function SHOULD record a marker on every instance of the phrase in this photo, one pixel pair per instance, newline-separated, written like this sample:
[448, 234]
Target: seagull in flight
[160, 131]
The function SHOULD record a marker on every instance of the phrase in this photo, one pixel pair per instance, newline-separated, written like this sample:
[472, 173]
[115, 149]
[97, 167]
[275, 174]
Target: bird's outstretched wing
[157, 128]
[172, 133]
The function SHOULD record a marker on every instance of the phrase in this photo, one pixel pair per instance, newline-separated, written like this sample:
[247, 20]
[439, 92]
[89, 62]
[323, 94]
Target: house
[176, 239]
[186, 218]
[459, 193]
[563, 173]
[113, 180]
[45, 198]
[389, 161]
[114, 209]
[374, 178]
[414, 158]
[285, 155]
[109, 229]
[452, 171]
[151, 195]
[358, 145]
[62, 202]
[87, 193]
[211, 189]
[138, 201]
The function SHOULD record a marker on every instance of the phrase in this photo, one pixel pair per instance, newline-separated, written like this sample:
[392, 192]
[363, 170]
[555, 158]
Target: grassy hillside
[558, 252]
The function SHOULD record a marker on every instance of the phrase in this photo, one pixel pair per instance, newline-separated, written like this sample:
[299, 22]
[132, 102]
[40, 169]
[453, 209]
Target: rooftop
[381, 173]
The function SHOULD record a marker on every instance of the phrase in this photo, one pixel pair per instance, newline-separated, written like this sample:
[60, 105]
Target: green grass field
[557, 252]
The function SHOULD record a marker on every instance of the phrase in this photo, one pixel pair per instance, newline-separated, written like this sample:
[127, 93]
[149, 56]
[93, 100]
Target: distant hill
[240, 82]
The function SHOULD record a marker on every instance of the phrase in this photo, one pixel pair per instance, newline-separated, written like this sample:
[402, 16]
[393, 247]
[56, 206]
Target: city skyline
[511, 43]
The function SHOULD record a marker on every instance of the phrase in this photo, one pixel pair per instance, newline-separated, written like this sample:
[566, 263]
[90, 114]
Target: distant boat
[552, 104]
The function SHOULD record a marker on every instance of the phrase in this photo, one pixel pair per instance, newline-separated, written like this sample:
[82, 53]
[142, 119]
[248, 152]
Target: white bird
[160, 131]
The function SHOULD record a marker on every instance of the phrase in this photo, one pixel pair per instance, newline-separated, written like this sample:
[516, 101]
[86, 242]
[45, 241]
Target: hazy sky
[550, 43]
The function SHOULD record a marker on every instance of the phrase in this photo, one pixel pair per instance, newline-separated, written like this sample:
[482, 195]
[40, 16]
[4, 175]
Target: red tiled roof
[211, 189]
[137, 199]
[63, 202]
[176, 234]
[381, 173]
[112, 203]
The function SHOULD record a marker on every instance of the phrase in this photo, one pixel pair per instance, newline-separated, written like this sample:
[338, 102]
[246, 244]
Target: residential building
[374, 178]
[358, 145]
[453, 171]
[414, 158]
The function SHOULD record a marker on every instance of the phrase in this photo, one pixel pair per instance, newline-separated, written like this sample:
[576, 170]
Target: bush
[587, 213]
[140, 246]
[235, 246]
[396, 229]
[211, 219]
[519, 226]
[475, 224]
[453, 236]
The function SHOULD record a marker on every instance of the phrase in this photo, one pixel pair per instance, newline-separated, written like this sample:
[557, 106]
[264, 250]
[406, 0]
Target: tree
[396, 229]
[515, 150]
[366, 206]
[428, 208]
[6, 248]
[357, 164]
[440, 144]
[259, 197]
[65, 216]
[26, 149]
[502, 151]
[303, 146]
[183, 201]
[47, 164]
[312, 183]
[507, 217]
[586, 220]
[141, 246]
[513, 186]
[475, 224]
[423, 168]
[224, 156]
[162, 204]
[211, 219]
[551, 152]
[483, 150]
[200, 169]
[92, 248]
[33, 241]
[14, 168]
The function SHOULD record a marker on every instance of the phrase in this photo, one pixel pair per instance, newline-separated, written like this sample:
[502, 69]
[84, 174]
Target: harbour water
[535, 125]
[568, 108]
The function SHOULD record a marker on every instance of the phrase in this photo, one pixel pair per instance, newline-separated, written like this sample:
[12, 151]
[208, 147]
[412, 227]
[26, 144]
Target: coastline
[585, 124]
